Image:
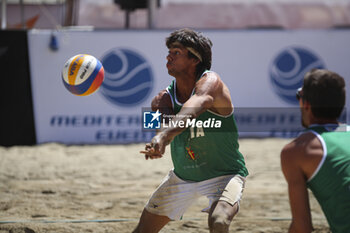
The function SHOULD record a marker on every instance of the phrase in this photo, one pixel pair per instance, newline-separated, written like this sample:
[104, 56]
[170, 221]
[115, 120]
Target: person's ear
[196, 61]
[306, 104]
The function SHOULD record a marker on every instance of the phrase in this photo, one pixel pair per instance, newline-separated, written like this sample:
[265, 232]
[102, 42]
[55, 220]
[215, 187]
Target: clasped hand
[155, 149]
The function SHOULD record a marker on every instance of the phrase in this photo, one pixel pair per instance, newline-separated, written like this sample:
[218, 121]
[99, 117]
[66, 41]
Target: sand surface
[72, 189]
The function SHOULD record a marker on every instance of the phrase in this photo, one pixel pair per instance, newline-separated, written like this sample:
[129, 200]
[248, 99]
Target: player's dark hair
[325, 91]
[195, 40]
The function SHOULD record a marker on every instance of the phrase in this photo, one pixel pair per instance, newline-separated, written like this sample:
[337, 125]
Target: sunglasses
[299, 95]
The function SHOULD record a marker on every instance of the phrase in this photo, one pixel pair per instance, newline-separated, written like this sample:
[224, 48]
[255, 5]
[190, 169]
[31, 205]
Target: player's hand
[155, 149]
[150, 152]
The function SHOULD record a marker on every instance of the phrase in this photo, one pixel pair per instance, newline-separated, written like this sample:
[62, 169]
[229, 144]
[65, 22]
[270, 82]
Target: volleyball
[82, 74]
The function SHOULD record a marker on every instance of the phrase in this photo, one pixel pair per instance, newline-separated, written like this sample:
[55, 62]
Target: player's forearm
[175, 126]
[195, 106]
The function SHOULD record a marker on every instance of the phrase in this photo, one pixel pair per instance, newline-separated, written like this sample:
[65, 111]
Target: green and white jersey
[330, 183]
[200, 153]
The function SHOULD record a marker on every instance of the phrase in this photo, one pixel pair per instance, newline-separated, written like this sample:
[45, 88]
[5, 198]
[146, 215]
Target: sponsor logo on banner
[288, 68]
[128, 77]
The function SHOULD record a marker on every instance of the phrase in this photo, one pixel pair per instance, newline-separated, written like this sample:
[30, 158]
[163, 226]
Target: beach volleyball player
[319, 159]
[207, 161]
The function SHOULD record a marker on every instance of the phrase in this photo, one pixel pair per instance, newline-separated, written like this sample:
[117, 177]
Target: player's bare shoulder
[162, 102]
[298, 145]
[214, 86]
[210, 82]
[301, 148]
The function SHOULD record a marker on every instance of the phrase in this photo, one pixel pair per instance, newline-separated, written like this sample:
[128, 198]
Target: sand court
[103, 188]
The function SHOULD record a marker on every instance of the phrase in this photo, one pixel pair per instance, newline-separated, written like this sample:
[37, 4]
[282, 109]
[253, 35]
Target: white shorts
[174, 195]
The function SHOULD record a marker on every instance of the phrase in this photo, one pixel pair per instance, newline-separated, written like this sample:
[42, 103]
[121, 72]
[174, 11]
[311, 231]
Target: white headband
[194, 52]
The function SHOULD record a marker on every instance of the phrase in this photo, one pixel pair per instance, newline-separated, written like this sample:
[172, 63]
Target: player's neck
[320, 121]
[184, 89]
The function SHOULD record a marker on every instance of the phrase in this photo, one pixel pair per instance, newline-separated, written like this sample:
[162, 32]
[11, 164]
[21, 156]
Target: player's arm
[162, 102]
[291, 157]
[206, 90]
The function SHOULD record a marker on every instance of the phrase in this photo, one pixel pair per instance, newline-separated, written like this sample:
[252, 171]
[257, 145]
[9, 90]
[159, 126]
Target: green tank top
[330, 183]
[200, 153]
